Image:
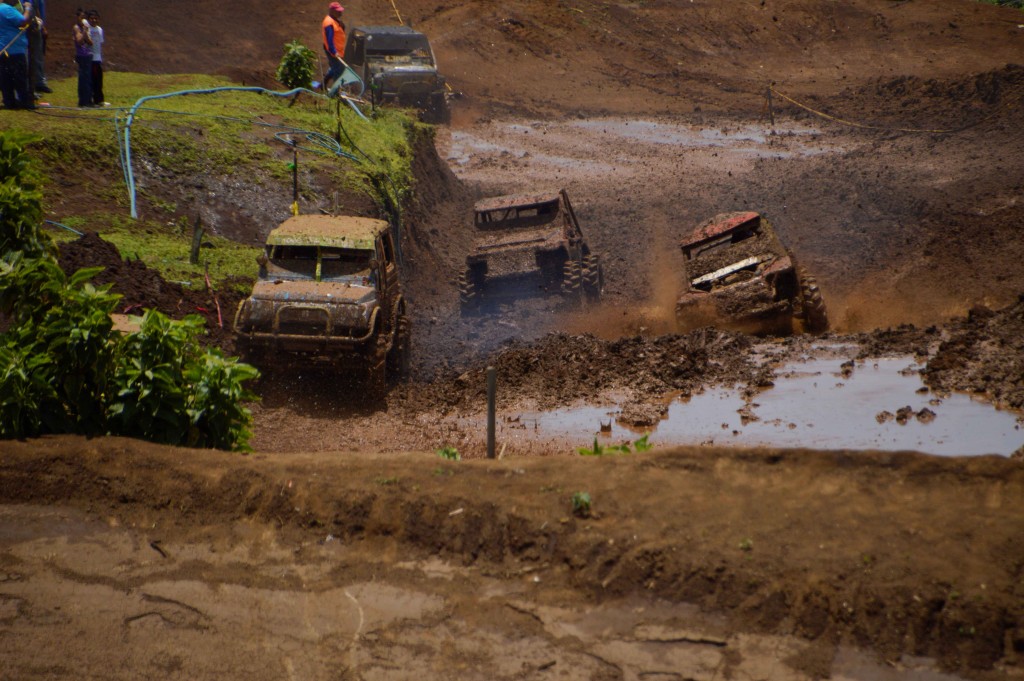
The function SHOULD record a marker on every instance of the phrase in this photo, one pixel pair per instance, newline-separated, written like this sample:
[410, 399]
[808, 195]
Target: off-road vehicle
[328, 295]
[740, 275]
[528, 243]
[397, 66]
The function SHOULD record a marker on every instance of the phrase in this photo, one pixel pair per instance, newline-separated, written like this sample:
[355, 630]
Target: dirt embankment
[888, 552]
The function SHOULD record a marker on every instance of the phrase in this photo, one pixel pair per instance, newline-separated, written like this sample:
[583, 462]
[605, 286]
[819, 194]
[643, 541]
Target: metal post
[492, 389]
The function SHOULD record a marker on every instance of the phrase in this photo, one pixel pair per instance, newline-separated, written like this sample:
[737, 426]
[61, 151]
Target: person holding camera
[83, 57]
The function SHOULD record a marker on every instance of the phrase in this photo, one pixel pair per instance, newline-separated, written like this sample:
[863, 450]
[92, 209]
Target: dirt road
[890, 160]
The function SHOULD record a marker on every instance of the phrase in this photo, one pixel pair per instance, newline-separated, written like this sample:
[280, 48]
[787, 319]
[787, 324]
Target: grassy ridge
[227, 134]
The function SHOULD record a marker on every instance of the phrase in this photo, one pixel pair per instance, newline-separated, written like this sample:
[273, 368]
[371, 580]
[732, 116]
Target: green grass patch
[167, 250]
[228, 134]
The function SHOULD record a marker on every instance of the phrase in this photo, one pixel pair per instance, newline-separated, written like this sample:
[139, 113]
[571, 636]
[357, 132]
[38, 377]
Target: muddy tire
[470, 293]
[399, 358]
[812, 306]
[593, 277]
[572, 278]
[437, 111]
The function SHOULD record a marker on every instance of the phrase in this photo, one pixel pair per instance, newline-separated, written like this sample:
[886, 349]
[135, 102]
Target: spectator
[37, 47]
[96, 33]
[17, 94]
[334, 43]
[83, 57]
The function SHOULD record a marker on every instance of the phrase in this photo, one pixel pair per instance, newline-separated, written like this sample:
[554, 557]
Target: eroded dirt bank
[905, 555]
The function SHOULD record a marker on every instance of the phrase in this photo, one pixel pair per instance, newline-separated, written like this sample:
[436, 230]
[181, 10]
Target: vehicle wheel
[593, 277]
[400, 356]
[572, 278]
[470, 293]
[813, 312]
[437, 112]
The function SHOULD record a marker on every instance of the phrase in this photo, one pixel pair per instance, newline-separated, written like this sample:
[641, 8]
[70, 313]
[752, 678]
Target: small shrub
[297, 66]
[581, 504]
[449, 453]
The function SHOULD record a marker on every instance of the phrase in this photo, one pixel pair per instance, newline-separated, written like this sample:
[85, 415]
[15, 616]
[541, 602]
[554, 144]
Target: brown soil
[345, 548]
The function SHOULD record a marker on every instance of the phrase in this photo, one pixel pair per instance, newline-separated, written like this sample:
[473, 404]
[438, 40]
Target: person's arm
[329, 40]
[81, 33]
[26, 16]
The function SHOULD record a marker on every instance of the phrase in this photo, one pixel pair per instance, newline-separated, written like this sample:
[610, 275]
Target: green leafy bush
[169, 389]
[21, 210]
[63, 367]
[297, 66]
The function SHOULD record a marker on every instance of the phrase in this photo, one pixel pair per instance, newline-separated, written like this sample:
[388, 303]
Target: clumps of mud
[984, 354]
[943, 104]
[562, 369]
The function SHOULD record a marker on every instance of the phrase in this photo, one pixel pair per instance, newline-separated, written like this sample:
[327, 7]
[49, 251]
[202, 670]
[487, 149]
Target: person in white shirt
[96, 33]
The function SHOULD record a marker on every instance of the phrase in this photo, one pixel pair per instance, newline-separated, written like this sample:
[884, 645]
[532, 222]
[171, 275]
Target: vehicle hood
[320, 292]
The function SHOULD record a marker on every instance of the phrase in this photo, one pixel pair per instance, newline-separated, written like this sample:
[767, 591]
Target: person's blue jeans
[84, 79]
[335, 68]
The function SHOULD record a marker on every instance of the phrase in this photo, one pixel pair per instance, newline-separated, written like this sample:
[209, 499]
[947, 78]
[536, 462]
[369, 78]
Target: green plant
[581, 504]
[21, 210]
[746, 544]
[641, 445]
[449, 453]
[297, 66]
[169, 389]
[63, 368]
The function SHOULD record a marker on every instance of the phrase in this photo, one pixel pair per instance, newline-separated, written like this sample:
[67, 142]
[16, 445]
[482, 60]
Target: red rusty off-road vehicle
[740, 275]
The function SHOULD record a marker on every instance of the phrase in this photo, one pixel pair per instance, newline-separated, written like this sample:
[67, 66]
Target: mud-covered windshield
[517, 216]
[334, 263]
[399, 49]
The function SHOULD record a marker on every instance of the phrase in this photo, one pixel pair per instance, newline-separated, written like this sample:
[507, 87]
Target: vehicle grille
[303, 321]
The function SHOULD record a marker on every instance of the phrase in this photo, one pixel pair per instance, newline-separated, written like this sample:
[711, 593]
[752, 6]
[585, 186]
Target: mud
[888, 158]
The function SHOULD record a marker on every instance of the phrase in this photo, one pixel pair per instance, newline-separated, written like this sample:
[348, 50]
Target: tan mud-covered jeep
[328, 295]
[739, 275]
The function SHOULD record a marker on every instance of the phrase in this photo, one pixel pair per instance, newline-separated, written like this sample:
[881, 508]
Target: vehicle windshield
[334, 263]
[517, 216]
[404, 49]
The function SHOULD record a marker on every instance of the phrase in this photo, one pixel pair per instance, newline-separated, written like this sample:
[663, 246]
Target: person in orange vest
[334, 42]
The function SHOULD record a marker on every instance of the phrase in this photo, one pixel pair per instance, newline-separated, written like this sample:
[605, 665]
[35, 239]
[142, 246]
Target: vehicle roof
[499, 202]
[720, 224]
[327, 230]
[387, 30]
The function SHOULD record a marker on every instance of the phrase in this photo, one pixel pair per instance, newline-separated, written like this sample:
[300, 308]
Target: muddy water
[877, 404]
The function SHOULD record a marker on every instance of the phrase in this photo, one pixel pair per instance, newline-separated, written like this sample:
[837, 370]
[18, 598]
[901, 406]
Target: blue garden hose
[126, 150]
